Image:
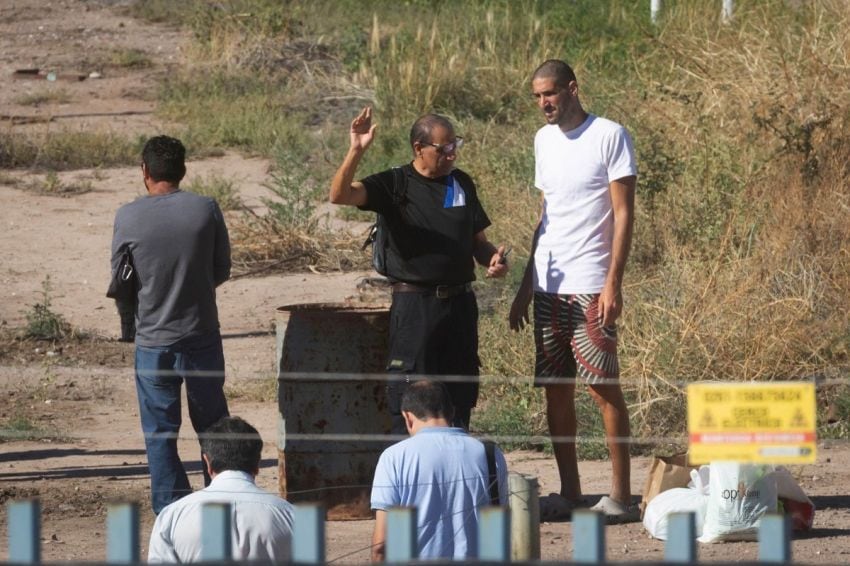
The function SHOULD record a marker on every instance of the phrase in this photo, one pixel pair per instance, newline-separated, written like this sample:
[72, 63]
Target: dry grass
[751, 241]
[739, 263]
[261, 246]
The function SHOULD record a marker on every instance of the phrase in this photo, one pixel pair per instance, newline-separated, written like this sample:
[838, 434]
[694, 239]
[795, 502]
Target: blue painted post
[122, 533]
[588, 536]
[494, 535]
[775, 538]
[402, 544]
[215, 532]
[24, 529]
[681, 543]
[308, 536]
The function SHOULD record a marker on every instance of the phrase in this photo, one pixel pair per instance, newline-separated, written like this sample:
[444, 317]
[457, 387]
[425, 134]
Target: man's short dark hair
[557, 70]
[165, 159]
[232, 444]
[427, 400]
[424, 125]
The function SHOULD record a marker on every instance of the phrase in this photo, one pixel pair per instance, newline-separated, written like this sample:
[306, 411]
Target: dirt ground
[82, 398]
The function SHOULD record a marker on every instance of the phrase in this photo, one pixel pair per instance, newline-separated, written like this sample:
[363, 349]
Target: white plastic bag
[700, 479]
[739, 494]
[676, 500]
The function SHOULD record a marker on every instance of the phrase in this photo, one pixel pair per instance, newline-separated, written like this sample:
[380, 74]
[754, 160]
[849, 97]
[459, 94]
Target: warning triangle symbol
[707, 421]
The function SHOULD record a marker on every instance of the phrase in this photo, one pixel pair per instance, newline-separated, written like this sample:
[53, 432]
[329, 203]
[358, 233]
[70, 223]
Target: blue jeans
[160, 371]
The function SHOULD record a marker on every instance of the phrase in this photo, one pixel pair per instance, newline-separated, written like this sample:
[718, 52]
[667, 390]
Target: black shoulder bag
[124, 287]
[492, 476]
[378, 237]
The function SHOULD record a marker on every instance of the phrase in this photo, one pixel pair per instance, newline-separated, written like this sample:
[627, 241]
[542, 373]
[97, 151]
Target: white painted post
[525, 517]
[494, 535]
[215, 532]
[308, 536]
[654, 10]
[728, 9]
[122, 533]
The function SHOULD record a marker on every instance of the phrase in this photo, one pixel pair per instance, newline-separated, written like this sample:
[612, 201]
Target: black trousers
[432, 337]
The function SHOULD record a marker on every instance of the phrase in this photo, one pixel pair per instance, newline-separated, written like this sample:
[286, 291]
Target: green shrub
[219, 188]
[65, 149]
[42, 322]
[129, 59]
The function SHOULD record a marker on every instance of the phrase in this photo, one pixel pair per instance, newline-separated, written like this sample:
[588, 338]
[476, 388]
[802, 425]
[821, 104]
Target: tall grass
[65, 149]
[739, 265]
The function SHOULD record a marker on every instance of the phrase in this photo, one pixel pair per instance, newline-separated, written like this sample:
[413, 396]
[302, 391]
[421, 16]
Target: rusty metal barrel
[331, 420]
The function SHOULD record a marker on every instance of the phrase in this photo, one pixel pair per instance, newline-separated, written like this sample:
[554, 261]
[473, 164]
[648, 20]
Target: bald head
[556, 70]
[424, 125]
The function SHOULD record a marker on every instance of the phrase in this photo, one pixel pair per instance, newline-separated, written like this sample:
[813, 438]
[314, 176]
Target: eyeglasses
[445, 148]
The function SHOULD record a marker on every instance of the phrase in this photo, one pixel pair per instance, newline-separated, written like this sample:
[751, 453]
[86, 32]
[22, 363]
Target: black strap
[493, 478]
[399, 194]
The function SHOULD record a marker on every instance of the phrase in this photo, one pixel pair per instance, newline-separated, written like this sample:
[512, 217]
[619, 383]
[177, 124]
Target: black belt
[440, 291]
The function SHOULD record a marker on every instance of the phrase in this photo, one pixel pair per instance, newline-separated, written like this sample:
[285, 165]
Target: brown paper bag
[665, 472]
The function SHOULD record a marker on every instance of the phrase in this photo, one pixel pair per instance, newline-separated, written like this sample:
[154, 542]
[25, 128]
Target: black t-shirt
[431, 235]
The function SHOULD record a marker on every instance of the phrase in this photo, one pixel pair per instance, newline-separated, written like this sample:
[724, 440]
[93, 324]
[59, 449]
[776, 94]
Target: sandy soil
[84, 399]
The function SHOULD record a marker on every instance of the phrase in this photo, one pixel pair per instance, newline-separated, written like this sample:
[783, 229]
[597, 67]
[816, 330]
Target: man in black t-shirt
[435, 234]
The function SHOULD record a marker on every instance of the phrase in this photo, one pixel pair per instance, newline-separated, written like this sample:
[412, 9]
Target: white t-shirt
[574, 169]
[443, 473]
[261, 522]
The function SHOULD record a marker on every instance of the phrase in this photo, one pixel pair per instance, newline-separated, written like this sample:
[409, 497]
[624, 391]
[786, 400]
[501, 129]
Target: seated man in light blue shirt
[261, 522]
[440, 470]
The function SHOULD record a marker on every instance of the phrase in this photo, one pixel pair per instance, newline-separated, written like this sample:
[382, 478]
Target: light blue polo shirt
[443, 473]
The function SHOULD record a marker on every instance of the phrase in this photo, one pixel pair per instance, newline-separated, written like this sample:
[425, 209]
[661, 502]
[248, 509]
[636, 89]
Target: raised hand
[362, 130]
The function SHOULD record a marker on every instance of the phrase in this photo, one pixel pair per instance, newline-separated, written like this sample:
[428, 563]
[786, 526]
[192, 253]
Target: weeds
[19, 427]
[297, 195]
[219, 188]
[129, 59]
[53, 185]
[63, 150]
[290, 234]
[60, 96]
[739, 264]
[42, 322]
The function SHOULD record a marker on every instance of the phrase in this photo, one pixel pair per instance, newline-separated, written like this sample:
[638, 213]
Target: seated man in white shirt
[440, 470]
[261, 523]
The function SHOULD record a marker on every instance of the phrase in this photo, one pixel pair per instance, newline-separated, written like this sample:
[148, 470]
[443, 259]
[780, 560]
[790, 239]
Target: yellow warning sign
[771, 423]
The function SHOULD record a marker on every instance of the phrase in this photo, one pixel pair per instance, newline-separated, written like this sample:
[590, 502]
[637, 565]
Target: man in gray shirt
[181, 252]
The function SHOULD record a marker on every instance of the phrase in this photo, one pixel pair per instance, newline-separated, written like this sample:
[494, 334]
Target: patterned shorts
[570, 340]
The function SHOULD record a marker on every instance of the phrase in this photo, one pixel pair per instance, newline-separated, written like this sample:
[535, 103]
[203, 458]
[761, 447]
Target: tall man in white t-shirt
[585, 168]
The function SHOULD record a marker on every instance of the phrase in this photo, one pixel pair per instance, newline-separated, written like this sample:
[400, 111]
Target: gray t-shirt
[181, 252]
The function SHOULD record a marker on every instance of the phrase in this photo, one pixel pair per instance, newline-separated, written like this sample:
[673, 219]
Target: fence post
[215, 532]
[654, 10]
[525, 517]
[308, 536]
[494, 535]
[122, 533]
[775, 538]
[681, 538]
[24, 528]
[402, 544]
[588, 536]
[728, 9]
